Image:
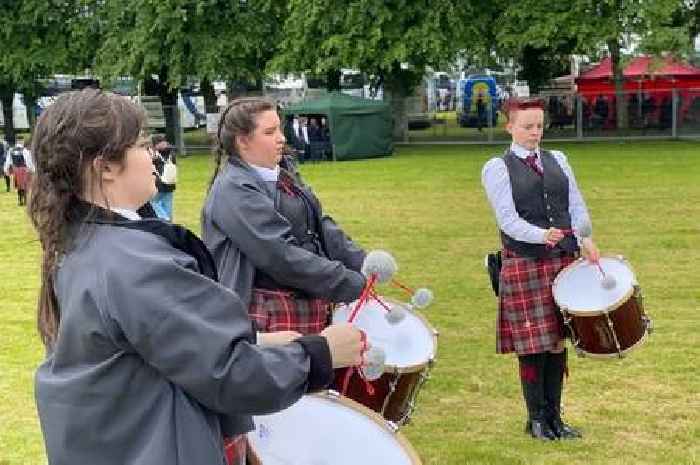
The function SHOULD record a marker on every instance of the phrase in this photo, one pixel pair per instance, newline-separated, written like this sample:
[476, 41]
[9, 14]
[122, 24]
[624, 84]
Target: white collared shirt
[126, 213]
[496, 182]
[28, 160]
[267, 174]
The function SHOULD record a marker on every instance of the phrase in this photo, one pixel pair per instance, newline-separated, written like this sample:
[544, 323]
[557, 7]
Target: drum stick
[408, 290]
[363, 297]
[374, 295]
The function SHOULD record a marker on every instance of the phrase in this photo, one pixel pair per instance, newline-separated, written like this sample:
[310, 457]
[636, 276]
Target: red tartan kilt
[22, 177]
[235, 449]
[277, 310]
[529, 321]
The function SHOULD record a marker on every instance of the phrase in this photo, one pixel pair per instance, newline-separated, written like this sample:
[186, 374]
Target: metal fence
[659, 113]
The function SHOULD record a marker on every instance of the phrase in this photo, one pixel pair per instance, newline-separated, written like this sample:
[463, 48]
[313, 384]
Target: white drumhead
[323, 429]
[578, 287]
[408, 343]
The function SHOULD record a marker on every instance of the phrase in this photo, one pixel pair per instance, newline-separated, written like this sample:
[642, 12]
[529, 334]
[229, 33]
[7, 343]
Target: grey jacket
[244, 231]
[150, 354]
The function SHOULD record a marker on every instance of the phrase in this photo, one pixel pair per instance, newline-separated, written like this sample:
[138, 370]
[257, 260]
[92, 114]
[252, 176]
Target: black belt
[264, 281]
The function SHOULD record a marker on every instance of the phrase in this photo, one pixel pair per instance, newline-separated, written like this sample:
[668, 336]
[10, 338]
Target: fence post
[579, 118]
[674, 113]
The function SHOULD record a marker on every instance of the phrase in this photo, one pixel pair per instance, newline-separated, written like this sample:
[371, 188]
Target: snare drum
[603, 322]
[327, 428]
[410, 346]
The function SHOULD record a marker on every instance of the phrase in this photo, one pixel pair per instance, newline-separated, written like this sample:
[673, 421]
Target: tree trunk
[396, 98]
[31, 105]
[618, 80]
[207, 90]
[168, 97]
[7, 94]
[333, 80]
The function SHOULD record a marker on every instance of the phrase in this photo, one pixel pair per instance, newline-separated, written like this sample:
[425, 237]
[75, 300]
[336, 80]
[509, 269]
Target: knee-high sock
[555, 366]
[532, 381]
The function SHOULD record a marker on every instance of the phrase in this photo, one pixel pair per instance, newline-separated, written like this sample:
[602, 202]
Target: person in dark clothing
[534, 196]
[3, 154]
[480, 111]
[600, 110]
[149, 360]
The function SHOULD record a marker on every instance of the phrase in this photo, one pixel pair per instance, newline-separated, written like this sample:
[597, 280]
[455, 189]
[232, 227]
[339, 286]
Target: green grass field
[426, 205]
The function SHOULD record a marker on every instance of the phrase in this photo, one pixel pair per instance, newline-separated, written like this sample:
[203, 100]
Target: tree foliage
[588, 27]
[392, 40]
[177, 39]
[38, 38]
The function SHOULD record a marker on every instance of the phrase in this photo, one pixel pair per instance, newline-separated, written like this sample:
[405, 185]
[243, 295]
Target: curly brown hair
[79, 127]
[237, 119]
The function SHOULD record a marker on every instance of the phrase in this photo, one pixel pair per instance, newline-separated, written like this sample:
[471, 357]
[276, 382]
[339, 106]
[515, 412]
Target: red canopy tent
[648, 84]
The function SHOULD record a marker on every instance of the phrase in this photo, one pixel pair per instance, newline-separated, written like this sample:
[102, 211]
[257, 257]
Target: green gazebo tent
[359, 128]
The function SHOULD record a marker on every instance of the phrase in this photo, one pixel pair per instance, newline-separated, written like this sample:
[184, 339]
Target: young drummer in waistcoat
[149, 359]
[266, 229]
[535, 199]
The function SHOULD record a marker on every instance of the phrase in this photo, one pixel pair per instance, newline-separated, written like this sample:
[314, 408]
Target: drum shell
[394, 393]
[599, 334]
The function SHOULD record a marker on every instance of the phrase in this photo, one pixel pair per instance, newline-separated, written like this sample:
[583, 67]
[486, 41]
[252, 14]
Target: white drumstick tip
[374, 363]
[422, 298]
[380, 263]
[608, 282]
[395, 315]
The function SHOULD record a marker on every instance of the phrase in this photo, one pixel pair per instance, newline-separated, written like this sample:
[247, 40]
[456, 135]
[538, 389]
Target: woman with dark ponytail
[266, 230]
[148, 359]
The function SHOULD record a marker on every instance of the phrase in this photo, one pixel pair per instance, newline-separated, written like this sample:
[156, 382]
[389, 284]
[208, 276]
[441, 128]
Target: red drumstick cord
[600, 268]
[363, 297]
[346, 381]
[374, 295]
[408, 290]
[348, 373]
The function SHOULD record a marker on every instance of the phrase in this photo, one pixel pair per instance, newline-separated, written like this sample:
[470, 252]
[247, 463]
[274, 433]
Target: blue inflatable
[479, 101]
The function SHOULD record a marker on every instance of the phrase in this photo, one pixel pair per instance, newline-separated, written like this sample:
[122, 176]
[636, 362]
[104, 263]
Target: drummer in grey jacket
[149, 360]
[266, 230]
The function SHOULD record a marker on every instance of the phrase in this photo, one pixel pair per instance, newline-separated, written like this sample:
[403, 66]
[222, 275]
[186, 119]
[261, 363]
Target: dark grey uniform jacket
[244, 232]
[150, 354]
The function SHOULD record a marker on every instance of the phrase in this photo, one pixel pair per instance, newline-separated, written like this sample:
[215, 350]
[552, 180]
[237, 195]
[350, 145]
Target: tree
[590, 26]
[176, 39]
[38, 38]
[391, 40]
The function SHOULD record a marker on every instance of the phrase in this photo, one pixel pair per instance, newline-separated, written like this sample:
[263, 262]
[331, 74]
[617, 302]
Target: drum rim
[584, 313]
[383, 423]
[416, 367]
[620, 354]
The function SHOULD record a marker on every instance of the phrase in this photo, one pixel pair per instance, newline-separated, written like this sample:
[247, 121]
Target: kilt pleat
[529, 321]
[277, 310]
[21, 176]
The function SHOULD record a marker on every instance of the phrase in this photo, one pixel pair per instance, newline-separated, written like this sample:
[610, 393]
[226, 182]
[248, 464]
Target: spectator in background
[302, 142]
[665, 113]
[165, 162]
[648, 110]
[314, 130]
[480, 111]
[600, 110]
[4, 153]
[18, 163]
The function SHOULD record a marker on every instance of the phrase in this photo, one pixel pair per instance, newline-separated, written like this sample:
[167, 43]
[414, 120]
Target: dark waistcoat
[542, 201]
[298, 204]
